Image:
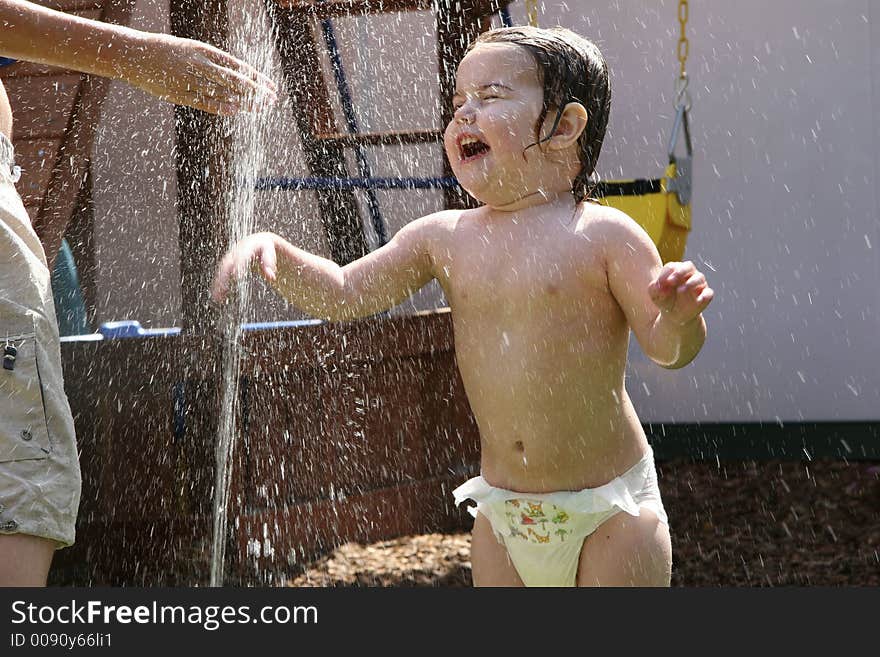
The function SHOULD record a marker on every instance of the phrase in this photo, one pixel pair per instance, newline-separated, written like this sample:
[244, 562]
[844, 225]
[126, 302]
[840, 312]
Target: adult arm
[182, 71]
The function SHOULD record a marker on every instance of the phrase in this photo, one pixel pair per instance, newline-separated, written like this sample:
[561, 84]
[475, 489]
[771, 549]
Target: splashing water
[250, 40]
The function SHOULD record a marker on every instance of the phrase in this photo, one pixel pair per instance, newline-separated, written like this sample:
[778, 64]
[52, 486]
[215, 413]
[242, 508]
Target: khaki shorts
[39, 466]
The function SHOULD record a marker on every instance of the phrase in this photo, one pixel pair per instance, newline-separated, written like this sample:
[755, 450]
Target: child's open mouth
[470, 148]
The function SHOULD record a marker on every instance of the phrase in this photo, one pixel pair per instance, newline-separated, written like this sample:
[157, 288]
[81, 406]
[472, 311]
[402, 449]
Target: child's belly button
[520, 449]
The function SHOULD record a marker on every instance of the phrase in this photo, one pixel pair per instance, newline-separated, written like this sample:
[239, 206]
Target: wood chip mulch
[743, 523]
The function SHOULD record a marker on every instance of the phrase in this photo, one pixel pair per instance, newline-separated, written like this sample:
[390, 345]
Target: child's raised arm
[320, 287]
[662, 303]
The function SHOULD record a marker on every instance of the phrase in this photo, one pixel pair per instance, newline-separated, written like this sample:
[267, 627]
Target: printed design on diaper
[536, 521]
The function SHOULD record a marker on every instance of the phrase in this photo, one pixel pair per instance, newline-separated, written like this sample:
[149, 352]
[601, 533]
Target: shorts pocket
[24, 432]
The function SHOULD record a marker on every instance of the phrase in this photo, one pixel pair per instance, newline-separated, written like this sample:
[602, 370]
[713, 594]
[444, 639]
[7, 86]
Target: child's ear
[571, 125]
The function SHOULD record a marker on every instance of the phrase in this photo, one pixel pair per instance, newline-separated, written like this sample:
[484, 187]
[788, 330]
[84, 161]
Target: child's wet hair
[571, 68]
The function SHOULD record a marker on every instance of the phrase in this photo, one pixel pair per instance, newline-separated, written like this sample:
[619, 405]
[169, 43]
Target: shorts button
[26, 434]
[9, 526]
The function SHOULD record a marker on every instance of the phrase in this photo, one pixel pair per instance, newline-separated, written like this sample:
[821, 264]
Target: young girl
[544, 288]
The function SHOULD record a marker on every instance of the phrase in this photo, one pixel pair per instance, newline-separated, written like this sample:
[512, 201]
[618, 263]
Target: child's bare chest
[511, 277]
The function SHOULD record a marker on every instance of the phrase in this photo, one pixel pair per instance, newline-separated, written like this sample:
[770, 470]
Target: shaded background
[785, 209]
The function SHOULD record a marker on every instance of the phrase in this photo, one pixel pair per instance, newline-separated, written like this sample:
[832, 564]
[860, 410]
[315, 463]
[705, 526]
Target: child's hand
[680, 291]
[189, 72]
[253, 250]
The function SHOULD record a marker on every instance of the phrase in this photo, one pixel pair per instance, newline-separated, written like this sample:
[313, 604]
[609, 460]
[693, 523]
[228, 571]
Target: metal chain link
[683, 43]
[682, 96]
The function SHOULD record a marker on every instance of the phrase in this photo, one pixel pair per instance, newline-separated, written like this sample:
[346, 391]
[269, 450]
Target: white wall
[784, 211]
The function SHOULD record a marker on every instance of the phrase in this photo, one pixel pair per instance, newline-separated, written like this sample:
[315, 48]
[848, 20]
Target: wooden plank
[203, 156]
[80, 237]
[364, 340]
[307, 89]
[283, 440]
[203, 151]
[292, 470]
[386, 407]
[458, 22]
[41, 106]
[70, 167]
[302, 531]
[36, 157]
[32, 210]
[145, 494]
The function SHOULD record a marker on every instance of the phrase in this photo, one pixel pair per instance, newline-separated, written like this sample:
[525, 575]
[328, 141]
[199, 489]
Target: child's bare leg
[490, 564]
[627, 551]
[25, 560]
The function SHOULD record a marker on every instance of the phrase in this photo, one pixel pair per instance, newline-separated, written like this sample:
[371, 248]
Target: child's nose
[464, 114]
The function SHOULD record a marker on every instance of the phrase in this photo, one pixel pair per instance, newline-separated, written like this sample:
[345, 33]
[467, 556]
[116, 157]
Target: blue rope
[348, 184]
[351, 124]
[366, 180]
[506, 20]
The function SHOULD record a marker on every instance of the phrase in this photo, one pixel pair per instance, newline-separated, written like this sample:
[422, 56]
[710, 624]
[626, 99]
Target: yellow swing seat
[661, 206]
[655, 207]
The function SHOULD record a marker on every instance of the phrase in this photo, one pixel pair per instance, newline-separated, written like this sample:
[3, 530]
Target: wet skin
[541, 349]
[5, 112]
[543, 292]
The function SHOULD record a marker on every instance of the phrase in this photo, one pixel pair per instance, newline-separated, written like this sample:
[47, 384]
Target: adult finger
[240, 78]
[236, 90]
[225, 60]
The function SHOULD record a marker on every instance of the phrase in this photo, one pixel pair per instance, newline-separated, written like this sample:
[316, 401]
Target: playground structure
[353, 432]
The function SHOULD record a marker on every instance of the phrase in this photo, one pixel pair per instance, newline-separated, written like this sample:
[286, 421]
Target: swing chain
[681, 183]
[532, 12]
[683, 43]
[682, 96]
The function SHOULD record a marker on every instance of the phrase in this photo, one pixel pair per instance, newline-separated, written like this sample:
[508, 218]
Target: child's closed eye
[489, 97]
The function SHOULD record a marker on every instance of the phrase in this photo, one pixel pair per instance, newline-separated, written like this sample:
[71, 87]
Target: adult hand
[196, 74]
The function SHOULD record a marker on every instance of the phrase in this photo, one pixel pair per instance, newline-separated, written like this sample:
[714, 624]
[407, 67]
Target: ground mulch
[734, 523]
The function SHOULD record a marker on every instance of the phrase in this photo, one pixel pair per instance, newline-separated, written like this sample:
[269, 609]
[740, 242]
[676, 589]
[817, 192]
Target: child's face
[498, 98]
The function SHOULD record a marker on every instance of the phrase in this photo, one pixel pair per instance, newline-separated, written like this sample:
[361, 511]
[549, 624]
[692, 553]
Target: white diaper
[544, 532]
